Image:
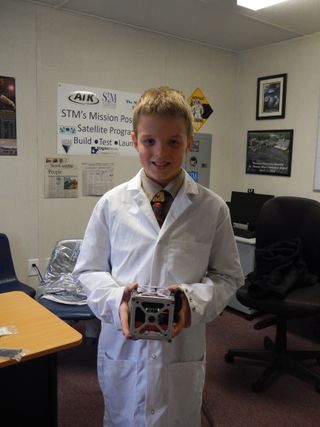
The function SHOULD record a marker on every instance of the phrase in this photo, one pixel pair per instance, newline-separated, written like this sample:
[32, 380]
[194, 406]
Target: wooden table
[28, 389]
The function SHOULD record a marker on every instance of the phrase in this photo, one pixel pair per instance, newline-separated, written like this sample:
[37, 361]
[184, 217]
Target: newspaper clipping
[61, 178]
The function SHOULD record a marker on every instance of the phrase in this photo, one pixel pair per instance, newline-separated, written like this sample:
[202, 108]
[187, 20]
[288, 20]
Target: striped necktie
[161, 203]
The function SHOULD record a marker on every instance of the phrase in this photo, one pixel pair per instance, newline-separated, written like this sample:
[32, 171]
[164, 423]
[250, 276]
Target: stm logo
[83, 97]
[109, 99]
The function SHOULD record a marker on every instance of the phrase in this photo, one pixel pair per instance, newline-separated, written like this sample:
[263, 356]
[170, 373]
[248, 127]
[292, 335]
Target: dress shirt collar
[150, 187]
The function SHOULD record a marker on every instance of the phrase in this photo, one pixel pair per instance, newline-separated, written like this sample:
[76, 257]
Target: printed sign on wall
[94, 120]
[97, 178]
[201, 109]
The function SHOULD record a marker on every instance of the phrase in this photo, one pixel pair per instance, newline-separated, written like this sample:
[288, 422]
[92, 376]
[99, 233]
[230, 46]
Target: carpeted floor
[80, 402]
[288, 402]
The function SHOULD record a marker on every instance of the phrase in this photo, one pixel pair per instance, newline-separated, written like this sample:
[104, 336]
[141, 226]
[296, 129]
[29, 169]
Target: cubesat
[152, 314]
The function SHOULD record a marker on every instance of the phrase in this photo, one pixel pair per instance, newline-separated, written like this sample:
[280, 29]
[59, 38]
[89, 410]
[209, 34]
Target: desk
[246, 248]
[28, 389]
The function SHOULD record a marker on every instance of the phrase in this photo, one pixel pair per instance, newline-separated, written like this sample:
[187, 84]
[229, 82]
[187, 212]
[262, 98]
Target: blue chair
[8, 278]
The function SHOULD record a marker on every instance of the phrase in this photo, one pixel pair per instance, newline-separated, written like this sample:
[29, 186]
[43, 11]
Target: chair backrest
[284, 218]
[7, 271]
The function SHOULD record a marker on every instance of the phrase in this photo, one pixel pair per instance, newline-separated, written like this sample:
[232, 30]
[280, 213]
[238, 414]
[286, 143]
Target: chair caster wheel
[228, 357]
[257, 387]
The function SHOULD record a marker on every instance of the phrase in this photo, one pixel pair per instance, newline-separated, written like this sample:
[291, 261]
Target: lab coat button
[152, 411]
[193, 309]
[154, 356]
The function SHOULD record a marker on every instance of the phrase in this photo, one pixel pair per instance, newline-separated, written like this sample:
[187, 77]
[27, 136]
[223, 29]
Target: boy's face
[161, 143]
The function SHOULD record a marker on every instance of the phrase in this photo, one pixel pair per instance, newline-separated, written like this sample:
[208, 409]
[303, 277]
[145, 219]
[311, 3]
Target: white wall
[41, 47]
[300, 59]
[19, 199]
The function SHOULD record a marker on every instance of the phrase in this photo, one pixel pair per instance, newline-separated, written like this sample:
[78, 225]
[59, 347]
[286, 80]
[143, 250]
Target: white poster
[61, 178]
[94, 120]
[97, 178]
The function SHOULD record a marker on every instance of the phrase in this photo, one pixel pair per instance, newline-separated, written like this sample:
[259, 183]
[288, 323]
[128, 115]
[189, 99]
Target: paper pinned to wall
[61, 178]
[97, 178]
[94, 121]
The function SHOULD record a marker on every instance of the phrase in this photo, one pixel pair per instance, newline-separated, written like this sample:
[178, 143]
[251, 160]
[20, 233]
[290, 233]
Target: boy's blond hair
[163, 101]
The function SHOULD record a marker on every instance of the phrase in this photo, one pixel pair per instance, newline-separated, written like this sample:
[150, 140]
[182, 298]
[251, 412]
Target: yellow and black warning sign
[200, 107]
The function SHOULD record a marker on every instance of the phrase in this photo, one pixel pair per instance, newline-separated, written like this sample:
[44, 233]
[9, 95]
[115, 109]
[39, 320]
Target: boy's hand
[184, 313]
[124, 308]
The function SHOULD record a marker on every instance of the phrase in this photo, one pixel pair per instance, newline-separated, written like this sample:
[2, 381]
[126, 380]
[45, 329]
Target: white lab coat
[149, 383]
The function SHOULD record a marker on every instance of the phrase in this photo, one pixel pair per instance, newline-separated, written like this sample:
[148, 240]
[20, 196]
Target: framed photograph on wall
[269, 152]
[271, 97]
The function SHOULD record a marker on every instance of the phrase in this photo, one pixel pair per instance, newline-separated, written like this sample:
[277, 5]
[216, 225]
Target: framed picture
[271, 97]
[269, 152]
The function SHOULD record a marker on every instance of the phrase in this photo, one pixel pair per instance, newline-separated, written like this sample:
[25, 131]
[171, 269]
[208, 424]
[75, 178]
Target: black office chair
[58, 291]
[285, 283]
[8, 278]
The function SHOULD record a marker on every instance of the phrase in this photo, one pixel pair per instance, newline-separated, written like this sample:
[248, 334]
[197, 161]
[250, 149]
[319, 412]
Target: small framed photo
[271, 97]
[269, 152]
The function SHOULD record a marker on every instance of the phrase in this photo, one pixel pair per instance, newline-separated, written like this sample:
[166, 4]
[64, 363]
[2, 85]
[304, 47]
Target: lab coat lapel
[144, 209]
[181, 202]
[141, 205]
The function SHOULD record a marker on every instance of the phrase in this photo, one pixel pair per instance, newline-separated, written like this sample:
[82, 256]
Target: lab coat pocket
[188, 261]
[118, 384]
[186, 380]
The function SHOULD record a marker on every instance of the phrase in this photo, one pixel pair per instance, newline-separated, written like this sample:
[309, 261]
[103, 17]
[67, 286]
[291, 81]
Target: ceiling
[216, 23]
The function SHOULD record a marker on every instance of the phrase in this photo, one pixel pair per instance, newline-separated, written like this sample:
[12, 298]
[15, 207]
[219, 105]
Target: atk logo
[83, 97]
[109, 99]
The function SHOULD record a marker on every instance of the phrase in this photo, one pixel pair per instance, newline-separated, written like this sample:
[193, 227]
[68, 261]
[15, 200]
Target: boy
[148, 383]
